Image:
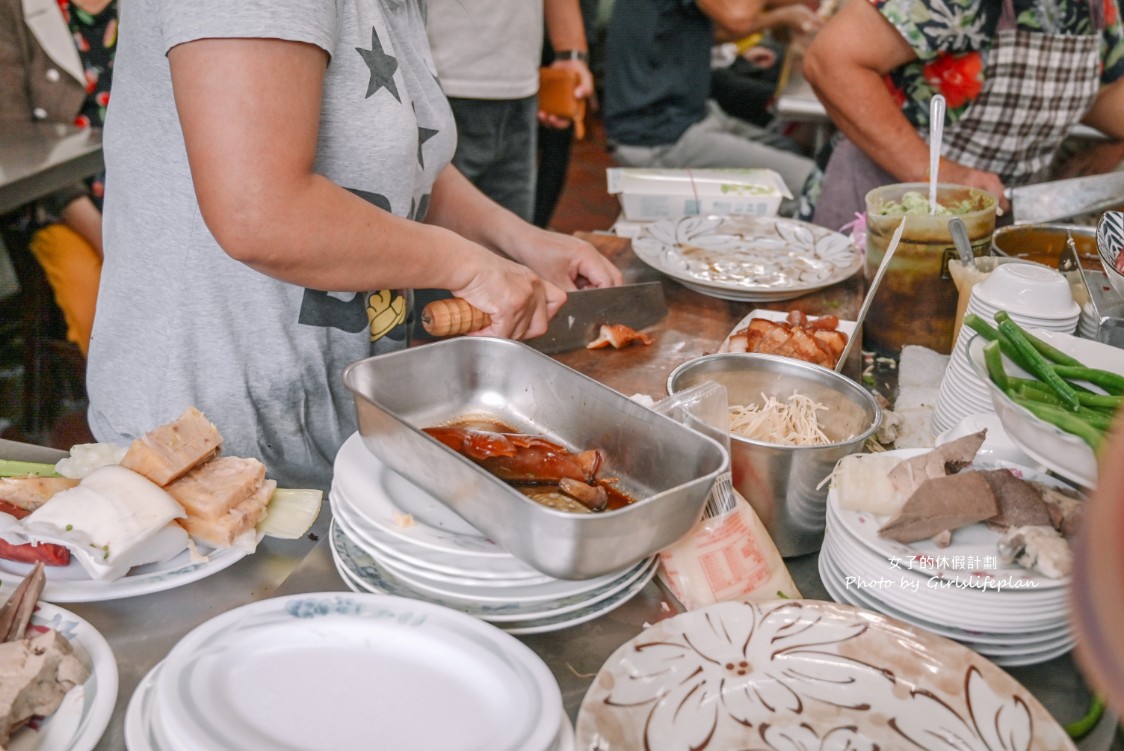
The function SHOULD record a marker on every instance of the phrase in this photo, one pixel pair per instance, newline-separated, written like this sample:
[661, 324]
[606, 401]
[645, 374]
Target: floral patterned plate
[72, 584]
[747, 258]
[85, 711]
[337, 670]
[803, 674]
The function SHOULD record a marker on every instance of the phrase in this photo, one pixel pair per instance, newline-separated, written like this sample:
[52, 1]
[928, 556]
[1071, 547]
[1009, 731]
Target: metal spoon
[936, 134]
[960, 239]
[870, 294]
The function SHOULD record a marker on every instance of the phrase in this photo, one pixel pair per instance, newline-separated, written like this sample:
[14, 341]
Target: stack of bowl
[1034, 296]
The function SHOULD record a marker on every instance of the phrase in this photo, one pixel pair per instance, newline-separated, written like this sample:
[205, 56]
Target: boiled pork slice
[942, 503]
[1040, 549]
[1020, 503]
[214, 488]
[947, 459]
[1065, 508]
[35, 675]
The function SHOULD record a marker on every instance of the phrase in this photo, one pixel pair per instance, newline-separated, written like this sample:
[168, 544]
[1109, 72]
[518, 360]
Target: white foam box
[650, 194]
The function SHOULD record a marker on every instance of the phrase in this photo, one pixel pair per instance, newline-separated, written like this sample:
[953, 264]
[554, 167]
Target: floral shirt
[952, 39]
[95, 36]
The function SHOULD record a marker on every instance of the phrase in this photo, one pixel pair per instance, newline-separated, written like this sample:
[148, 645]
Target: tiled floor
[585, 205]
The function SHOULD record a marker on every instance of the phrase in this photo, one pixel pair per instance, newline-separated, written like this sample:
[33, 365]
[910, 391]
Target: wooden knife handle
[452, 316]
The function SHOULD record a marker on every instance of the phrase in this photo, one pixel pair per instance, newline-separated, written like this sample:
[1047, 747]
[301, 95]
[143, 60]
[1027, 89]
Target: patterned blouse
[95, 36]
[952, 39]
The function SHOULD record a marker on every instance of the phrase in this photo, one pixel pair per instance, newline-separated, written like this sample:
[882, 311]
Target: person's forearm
[82, 216]
[1107, 112]
[865, 112]
[564, 25]
[321, 236]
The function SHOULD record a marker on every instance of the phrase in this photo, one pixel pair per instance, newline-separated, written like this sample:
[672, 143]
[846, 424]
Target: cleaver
[576, 323]
[1062, 199]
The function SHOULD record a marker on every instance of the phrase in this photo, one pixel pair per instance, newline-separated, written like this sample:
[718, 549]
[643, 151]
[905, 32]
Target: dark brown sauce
[617, 497]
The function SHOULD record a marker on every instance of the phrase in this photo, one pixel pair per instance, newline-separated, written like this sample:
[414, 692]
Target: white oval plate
[486, 567]
[588, 611]
[1063, 453]
[341, 670]
[139, 727]
[72, 584]
[747, 258]
[804, 674]
[85, 710]
[374, 576]
[383, 497]
[975, 541]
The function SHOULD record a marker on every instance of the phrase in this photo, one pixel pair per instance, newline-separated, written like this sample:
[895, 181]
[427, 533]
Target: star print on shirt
[382, 67]
[424, 134]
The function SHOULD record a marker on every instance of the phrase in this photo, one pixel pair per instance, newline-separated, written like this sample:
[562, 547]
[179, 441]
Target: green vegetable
[1045, 349]
[1106, 379]
[290, 513]
[981, 327]
[13, 468]
[1037, 364]
[1078, 729]
[1106, 402]
[1100, 420]
[914, 202]
[993, 358]
[1066, 420]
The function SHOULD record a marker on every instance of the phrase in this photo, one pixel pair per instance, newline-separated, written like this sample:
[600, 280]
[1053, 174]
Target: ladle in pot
[870, 295]
[936, 135]
[960, 240]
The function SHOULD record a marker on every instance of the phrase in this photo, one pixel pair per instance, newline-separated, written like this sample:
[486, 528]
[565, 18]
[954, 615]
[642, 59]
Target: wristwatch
[580, 55]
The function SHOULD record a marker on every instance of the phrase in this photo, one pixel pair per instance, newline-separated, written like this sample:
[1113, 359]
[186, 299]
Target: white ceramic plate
[975, 542]
[71, 583]
[804, 674]
[373, 576]
[140, 732]
[847, 327]
[384, 498]
[477, 567]
[747, 258]
[1063, 453]
[85, 711]
[340, 670]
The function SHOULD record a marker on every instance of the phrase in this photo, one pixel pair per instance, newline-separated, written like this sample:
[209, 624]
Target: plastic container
[916, 303]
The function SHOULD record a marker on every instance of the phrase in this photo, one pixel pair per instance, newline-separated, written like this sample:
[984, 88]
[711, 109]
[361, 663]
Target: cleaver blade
[1062, 199]
[579, 320]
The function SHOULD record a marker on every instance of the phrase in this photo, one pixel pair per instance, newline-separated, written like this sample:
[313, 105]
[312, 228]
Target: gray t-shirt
[179, 322]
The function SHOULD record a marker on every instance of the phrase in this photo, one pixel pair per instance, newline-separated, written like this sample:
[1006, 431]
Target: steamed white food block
[113, 520]
[862, 483]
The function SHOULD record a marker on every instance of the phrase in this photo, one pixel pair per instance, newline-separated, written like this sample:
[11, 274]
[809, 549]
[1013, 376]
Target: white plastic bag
[728, 555]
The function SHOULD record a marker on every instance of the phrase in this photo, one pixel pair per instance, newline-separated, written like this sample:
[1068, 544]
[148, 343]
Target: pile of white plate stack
[964, 592]
[337, 670]
[1035, 297]
[389, 536]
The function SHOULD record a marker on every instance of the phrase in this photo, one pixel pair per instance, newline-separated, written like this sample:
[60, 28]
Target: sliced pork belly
[171, 451]
[29, 493]
[214, 488]
[225, 530]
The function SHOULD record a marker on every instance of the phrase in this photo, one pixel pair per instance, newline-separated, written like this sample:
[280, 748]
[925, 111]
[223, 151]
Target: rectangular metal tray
[668, 467]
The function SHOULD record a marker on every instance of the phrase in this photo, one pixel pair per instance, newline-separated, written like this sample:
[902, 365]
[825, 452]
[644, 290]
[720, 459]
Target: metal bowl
[666, 466]
[783, 483]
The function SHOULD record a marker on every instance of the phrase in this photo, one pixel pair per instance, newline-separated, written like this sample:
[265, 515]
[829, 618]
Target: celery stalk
[13, 468]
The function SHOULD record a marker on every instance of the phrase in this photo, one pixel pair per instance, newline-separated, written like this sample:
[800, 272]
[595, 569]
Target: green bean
[1106, 379]
[1037, 364]
[1047, 350]
[1099, 420]
[981, 327]
[993, 358]
[1078, 729]
[1065, 420]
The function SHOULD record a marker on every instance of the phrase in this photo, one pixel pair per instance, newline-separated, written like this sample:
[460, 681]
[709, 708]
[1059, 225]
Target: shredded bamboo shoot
[792, 422]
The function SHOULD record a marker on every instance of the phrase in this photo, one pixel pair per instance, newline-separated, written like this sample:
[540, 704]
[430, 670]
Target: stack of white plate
[336, 670]
[389, 536]
[1005, 612]
[1008, 288]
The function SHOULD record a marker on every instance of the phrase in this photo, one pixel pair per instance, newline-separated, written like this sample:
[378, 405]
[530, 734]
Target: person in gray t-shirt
[277, 182]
